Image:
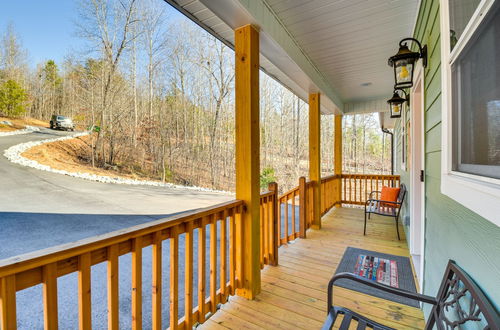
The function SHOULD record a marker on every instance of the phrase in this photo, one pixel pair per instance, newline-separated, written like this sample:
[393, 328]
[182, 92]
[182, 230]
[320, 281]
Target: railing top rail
[330, 177]
[266, 194]
[289, 192]
[385, 176]
[39, 258]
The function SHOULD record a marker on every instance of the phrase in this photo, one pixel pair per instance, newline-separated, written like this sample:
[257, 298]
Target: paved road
[40, 209]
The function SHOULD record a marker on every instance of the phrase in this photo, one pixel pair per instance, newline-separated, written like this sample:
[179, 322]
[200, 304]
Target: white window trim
[403, 138]
[478, 193]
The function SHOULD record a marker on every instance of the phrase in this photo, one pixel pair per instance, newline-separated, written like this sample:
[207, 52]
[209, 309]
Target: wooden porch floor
[294, 293]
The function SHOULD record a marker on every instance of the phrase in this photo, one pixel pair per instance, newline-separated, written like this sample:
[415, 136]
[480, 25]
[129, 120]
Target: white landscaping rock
[26, 130]
[14, 155]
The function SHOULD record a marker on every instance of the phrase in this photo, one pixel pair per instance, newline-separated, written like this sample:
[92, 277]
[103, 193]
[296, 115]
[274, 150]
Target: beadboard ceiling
[337, 47]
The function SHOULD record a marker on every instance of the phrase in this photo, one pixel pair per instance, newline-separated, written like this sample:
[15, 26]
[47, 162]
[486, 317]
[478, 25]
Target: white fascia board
[278, 46]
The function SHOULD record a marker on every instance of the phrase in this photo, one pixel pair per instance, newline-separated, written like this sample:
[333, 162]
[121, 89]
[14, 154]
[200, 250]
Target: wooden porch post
[314, 157]
[338, 157]
[248, 156]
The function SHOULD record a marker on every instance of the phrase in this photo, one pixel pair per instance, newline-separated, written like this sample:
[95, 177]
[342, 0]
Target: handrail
[45, 266]
[38, 258]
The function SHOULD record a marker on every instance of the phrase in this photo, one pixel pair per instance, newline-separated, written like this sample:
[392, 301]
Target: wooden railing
[269, 227]
[330, 192]
[282, 219]
[46, 266]
[357, 187]
[288, 216]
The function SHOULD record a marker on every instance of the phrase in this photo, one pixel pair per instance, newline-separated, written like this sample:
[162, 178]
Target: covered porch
[263, 260]
[294, 292]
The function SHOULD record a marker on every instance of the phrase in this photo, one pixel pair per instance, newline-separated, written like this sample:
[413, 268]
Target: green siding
[452, 231]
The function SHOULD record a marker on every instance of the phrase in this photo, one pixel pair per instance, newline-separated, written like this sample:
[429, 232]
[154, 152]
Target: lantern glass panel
[396, 110]
[404, 72]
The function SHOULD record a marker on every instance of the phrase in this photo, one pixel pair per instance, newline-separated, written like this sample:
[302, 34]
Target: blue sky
[46, 27]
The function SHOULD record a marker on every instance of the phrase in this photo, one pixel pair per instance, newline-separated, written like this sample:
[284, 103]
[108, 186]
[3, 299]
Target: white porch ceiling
[337, 47]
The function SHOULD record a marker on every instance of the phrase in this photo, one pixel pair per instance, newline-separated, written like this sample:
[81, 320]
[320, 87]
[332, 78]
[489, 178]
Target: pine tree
[12, 99]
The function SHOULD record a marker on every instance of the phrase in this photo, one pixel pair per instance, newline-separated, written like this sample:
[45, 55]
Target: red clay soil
[20, 123]
[72, 156]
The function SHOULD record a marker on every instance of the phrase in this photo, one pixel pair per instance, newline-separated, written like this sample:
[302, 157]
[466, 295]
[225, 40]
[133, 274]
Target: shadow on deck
[294, 293]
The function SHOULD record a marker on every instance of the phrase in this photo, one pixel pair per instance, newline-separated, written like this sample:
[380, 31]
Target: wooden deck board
[294, 293]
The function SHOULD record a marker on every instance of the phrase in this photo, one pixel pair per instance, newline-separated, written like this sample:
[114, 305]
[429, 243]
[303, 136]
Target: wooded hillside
[159, 95]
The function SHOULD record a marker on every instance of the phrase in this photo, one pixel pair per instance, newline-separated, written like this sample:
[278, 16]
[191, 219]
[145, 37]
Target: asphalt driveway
[40, 209]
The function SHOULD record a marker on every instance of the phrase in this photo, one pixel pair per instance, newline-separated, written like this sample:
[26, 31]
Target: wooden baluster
[84, 293]
[264, 230]
[360, 189]
[272, 229]
[303, 209]
[223, 258]
[261, 238]
[322, 201]
[201, 269]
[286, 219]
[355, 181]
[345, 189]
[113, 297]
[156, 279]
[8, 302]
[188, 277]
[213, 264]
[273, 224]
[350, 190]
[174, 280]
[239, 247]
[137, 283]
[49, 278]
[232, 252]
[279, 222]
[366, 189]
[293, 216]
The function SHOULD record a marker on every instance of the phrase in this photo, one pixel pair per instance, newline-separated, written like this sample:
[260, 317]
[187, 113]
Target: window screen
[476, 101]
[460, 13]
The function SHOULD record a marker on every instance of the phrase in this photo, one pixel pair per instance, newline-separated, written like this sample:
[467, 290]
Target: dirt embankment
[20, 123]
[74, 156]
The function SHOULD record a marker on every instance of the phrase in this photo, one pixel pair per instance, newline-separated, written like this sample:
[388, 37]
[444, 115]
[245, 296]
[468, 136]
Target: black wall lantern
[404, 63]
[396, 103]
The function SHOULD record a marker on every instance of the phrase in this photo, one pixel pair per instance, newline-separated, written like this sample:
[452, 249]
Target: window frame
[478, 193]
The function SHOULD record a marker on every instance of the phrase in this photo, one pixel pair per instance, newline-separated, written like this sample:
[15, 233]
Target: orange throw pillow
[389, 194]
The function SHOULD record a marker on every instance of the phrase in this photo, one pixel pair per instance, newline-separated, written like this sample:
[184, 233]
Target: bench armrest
[379, 286]
[374, 192]
[382, 201]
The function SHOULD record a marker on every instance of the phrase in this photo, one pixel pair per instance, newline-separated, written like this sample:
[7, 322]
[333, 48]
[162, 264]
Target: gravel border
[13, 154]
[26, 130]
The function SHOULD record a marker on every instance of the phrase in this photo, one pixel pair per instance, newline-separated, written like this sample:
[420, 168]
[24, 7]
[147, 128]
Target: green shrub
[266, 177]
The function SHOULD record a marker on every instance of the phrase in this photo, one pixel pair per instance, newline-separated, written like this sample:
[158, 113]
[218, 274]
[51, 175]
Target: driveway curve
[40, 209]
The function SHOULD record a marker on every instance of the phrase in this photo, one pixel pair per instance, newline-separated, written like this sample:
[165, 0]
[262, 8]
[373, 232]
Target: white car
[62, 122]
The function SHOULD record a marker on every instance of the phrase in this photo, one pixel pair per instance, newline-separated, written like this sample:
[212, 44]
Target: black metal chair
[459, 303]
[385, 208]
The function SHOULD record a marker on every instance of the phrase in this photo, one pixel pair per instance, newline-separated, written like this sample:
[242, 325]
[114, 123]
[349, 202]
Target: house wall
[452, 231]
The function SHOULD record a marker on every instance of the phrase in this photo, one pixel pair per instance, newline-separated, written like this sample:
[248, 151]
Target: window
[475, 78]
[470, 48]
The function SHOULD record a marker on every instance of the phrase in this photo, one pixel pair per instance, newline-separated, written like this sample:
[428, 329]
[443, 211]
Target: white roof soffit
[281, 57]
[336, 47]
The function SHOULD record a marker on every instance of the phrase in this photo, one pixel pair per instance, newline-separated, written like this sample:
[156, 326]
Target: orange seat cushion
[389, 194]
